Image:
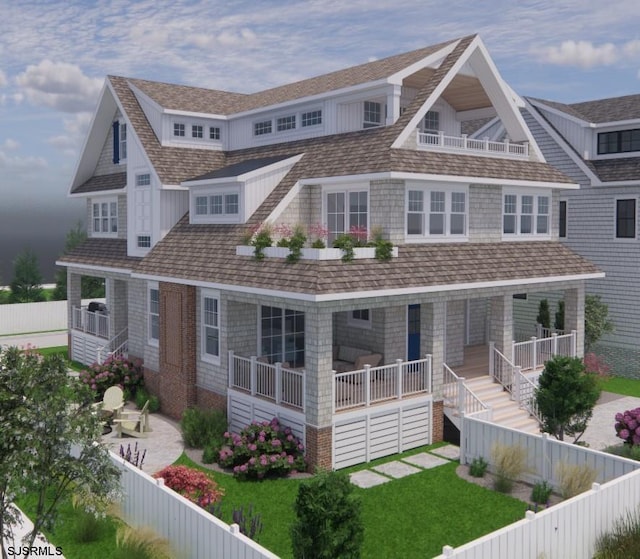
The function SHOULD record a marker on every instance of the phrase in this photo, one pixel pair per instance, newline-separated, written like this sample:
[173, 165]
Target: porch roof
[110, 253]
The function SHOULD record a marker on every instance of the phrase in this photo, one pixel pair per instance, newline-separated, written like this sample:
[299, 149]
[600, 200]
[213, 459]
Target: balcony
[91, 322]
[464, 144]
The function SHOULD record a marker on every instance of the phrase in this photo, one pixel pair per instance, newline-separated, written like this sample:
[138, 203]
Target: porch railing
[464, 143]
[459, 396]
[273, 382]
[94, 323]
[525, 391]
[500, 368]
[533, 353]
[118, 346]
[377, 384]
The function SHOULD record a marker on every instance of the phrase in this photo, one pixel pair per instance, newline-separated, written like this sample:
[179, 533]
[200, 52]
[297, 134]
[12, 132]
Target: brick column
[501, 323]
[574, 315]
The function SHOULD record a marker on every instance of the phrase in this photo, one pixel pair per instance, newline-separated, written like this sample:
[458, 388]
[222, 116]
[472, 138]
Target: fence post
[574, 343]
[461, 390]
[429, 373]
[254, 375]
[492, 347]
[538, 330]
[367, 385]
[534, 351]
[545, 457]
[278, 381]
[447, 551]
[554, 344]
[400, 383]
[231, 369]
[463, 441]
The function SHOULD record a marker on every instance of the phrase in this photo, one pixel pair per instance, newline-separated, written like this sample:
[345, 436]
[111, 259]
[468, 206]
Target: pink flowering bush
[192, 484]
[114, 371]
[261, 450]
[595, 364]
[628, 426]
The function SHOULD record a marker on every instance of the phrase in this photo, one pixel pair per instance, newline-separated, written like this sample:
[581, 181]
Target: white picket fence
[192, 532]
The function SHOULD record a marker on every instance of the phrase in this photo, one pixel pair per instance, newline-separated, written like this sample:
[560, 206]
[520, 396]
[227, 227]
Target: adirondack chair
[133, 423]
[112, 402]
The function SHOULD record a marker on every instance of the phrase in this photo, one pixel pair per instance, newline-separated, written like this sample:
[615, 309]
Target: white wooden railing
[533, 353]
[458, 395]
[94, 323]
[371, 385]
[524, 392]
[464, 143]
[500, 368]
[118, 346]
[273, 382]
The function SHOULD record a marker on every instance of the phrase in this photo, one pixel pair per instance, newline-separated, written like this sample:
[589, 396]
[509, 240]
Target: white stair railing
[459, 396]
[117, 346]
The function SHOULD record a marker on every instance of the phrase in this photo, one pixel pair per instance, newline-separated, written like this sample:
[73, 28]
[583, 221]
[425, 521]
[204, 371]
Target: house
[597, 144]
[174, 176]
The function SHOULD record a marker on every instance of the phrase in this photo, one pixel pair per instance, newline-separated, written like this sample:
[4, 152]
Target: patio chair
[112, 402]
[134, 423]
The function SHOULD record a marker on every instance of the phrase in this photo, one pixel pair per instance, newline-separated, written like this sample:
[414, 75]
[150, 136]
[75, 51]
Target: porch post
[574, 315]
[534, 352]
[231, 369]
[554, 342]
[501, 323]
[400, 379]
[254, 375]
[367, 385]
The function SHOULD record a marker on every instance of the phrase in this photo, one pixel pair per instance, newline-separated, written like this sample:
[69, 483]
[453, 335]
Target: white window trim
[207, 357]
[175, 123]
[152, 341]
[307, 111]
[427, 189]
[215, 218]
[517, 236]
[346, 188]
[358, 322]
[108, 201]
[371, 123]
[615, 220]
[283, 334]
[262, 121]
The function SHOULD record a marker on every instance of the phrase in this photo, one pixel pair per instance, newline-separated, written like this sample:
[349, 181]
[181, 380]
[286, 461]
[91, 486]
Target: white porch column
[574, 315]
[432, 339]
[501, 323]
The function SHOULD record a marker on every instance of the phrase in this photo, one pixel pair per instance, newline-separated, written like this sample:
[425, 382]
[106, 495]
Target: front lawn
[622, 385]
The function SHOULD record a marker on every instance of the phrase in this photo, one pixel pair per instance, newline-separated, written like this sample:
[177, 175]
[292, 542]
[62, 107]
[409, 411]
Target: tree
[92, 288]
[544, 317]
[566, 396]
[47, 440]
[328, 522]
[596, 321]
[558, 323]
[26, 285]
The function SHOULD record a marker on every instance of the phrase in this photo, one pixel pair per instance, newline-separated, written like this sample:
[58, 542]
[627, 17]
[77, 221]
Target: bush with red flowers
[192, 484]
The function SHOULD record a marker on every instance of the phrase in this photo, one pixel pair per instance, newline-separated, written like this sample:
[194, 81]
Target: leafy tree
[92, 288]
[47, 440]
[558, 323]
[26, 285]
[328, 523]
[544, 317]
[566, 396]
[596, 321]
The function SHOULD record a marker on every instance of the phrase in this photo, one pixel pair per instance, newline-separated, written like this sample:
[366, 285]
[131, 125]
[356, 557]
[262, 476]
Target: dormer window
[262, 127]
[311, 118]
[286, 123]
[431, 123]
[178, 129]
[214, 132]
[197, 131]
[620, 141]
[221, 207]
[436, 212]
[372, 114]
[525, 214]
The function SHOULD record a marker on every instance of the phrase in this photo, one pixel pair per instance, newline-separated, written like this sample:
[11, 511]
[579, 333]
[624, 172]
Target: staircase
[504, 411]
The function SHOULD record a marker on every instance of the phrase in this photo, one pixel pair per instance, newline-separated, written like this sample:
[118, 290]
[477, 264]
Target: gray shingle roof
[243, 167]
[99, 183]
[612, 109]
[101, 252]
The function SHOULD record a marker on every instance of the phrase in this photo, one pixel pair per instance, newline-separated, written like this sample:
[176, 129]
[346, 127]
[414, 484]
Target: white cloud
[17, 163]
[10, 144]
[60, 86]
[581, 53]
[3, 79]
[76, 129]
[632, 48]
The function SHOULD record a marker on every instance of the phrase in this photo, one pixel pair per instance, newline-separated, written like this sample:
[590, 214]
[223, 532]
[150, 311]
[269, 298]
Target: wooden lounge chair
[112, 402]
[133, 423]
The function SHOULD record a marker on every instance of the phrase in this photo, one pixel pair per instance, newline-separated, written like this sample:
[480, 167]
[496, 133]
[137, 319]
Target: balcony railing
[532, 354]
[464, 143]
[95, 323]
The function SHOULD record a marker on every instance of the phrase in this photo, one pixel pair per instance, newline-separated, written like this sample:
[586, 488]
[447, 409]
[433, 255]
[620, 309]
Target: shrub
[142, 397]
[192, 484]
[203, 427]
[261, 450]
[623, 541]
[210, 453]
[596, 364]
[114, 371]
[250, 524]
[574, 478]
[510, 463]
[628, 426]
[541, 492]
[141, 543]
[328, 519]
[478, 467]
[261, 240]
[628, 451]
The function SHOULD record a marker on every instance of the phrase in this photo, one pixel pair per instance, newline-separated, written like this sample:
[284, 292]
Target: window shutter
[116, 142]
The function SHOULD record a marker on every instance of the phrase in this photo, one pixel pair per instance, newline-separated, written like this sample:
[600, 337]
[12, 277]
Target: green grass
[622, 385]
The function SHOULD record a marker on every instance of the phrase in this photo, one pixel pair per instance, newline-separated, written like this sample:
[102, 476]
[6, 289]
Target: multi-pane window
[311, 118]
[197, 131]
[347, 211]
[210, 327]
[214, 132]
[431, 122]
[218, 204]
[562, 225]
[525, 214]
[105, 217]
[123, 140]
[144, 241]
[143, 180]
[621, 141]
[154, 313]
[436, 213]
[282, 336]
[372, 114]
[178, 129]
[360, 318]
[263, 127]
[626, 219]
[286, 123]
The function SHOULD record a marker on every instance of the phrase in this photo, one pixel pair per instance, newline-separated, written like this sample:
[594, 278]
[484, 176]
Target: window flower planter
[360, 253]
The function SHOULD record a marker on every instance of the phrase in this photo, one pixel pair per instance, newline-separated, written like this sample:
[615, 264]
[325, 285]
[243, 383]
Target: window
[562, 229]
[622, 141]
[282, 336]
[143, 180]
[311, 118]
[626, 219]
[197, 131]
[178, 129]
[154, 313]
[359, 318]
[144, 241]
[123, 141]
[525, 214]
[260, 128]
[218, 204]
[347, 211]
[431, 122]
[214, 133]
[436, 213]
[286, 123]
[119, 141]
[372, 114]
[105, 217]
[210, 327]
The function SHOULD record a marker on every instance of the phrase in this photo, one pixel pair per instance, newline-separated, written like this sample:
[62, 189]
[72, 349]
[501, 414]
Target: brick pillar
[437, 433]
[178, 348]
[318, 449]
[501, 323]
[574, 315]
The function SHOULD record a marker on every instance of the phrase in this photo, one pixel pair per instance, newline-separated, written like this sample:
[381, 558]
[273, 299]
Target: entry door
[413, 332]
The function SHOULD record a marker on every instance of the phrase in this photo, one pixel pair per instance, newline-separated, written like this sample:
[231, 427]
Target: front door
[413, 332]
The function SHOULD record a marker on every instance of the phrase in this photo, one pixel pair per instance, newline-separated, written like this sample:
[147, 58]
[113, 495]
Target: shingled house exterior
[597, 144]
[174, 176]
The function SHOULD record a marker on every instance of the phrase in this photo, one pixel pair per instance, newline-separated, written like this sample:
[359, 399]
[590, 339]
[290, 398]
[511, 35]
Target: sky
[54, 55]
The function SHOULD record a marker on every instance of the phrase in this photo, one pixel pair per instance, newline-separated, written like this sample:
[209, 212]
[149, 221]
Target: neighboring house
[174, 176]
[597, 144]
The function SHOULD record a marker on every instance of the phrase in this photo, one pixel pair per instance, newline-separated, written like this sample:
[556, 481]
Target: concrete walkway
[601, 432]
[40, 339]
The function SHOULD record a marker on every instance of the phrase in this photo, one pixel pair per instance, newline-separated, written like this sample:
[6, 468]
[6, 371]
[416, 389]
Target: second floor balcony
[442, 142]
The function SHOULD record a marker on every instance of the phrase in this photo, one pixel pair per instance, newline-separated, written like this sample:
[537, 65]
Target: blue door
[413, 332]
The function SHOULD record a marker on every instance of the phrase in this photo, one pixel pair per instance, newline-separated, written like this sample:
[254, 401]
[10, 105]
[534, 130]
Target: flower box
[359, 253]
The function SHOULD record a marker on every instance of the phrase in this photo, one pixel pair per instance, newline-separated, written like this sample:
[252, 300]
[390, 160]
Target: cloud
[76, 129]
[10, 144]
[60, 86]
[17, 163]
[632, 48]
[582, 54]
[3, 79]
